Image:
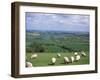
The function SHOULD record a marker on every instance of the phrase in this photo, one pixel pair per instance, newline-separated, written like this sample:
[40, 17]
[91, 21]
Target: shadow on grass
[66, 63]
[51, 64]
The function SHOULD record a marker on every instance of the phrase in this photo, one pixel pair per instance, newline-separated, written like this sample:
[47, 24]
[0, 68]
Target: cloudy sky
[57, 22]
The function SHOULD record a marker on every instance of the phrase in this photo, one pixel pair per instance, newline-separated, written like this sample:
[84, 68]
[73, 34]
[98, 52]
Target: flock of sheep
[76, 57]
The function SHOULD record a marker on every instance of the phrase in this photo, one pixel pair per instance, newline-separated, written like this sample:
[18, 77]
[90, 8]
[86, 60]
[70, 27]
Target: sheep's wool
[83, 53]
[28, 64]
[72, 59]
[34, 56]
[78, 57]
[53, 60]
[75, 53]
[58, 54]
[66, 59]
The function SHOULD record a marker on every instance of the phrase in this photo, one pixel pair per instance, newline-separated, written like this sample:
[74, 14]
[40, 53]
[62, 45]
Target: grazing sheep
[78, 57]
[83, 53]
[34, 56]
[75, 53]
[66, 60]
[58, 55]
[53, 60]
[29, 64]
[72, 59]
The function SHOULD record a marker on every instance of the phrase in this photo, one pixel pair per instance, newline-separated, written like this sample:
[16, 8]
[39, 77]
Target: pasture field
[47, 44]
[44, 59]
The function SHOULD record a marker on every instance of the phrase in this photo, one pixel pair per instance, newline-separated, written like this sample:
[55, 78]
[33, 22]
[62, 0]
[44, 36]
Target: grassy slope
[53, 42]
[44, 59]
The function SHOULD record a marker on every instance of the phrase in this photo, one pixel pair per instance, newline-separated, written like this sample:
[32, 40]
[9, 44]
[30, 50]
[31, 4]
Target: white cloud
[57, 21]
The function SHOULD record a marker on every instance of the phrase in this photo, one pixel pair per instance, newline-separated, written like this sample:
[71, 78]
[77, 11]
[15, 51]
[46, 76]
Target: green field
[47, 44]
[44, 59]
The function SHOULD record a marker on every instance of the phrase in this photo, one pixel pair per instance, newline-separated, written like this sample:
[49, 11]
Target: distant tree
[69, 49]
[29, 50]
[37, 47]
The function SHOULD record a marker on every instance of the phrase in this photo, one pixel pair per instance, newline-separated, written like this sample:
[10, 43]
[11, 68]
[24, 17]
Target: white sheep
[34, 56]
[66, 60]
[53, 60]
[75, 53]
[78, 57]
[29, 64]
[83, 53]
[72, 59]
[58, 55]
